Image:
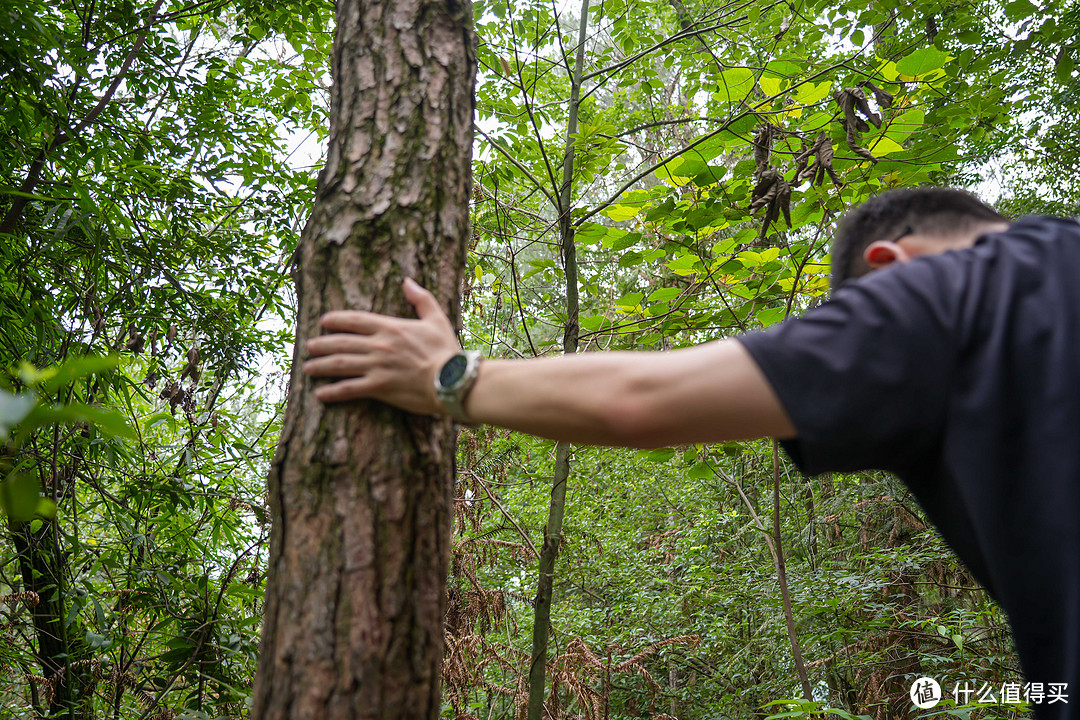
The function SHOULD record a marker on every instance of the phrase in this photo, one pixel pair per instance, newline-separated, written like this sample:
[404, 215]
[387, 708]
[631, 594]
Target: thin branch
[506, 154]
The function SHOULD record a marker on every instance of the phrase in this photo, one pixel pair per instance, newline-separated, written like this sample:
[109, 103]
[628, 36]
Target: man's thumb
[424, 302]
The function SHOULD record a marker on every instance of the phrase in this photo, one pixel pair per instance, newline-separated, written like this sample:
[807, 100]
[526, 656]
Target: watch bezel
[452, 396]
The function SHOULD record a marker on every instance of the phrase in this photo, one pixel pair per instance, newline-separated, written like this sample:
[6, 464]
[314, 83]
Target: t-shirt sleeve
[865, 376]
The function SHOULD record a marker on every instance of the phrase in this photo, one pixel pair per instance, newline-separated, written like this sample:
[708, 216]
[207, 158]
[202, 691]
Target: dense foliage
[154, 173]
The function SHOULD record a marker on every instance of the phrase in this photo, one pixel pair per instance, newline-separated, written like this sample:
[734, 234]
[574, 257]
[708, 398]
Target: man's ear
[882, 253]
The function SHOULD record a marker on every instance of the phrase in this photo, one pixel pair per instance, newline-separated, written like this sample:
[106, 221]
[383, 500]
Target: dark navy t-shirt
[960, 373]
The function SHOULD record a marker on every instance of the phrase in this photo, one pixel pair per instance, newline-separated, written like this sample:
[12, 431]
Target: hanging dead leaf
[853, 143]
[863, 106]
[883, 98]
[773, 193]
[763, 142]
[135, 340]
[822, 153]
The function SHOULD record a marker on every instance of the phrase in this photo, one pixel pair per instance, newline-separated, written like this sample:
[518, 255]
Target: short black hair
[928, 210]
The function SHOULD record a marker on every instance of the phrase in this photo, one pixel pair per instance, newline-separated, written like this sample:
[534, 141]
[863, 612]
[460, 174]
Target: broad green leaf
[1019, 9]
[619, 240]
[811, 93]
[884, 146]
[631, 302]
[770, 316]
[684, 264]
[922, 61]
[589, 233]
[664, 294]
[110, 420]
[668, 173]
[621, 213]
[734, 84]
[592, 322]
[1064, 69]
[783, 69]
[888, 70]
[773, 85]
[718, 144]
[816, 122]
[901, 127]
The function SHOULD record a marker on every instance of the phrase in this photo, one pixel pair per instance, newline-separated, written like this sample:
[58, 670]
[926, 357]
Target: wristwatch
[454, 381]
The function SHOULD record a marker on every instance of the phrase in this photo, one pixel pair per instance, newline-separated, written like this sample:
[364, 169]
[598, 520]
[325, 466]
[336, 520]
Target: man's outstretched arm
[709, 393]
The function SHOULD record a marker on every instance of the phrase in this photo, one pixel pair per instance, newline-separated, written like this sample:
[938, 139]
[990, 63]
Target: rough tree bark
[360, 493]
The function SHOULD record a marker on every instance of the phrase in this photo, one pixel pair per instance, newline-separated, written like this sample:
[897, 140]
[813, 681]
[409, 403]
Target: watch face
[453, 371]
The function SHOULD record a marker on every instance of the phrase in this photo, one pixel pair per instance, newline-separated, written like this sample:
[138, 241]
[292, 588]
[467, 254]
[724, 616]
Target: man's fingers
[340, 343]
[353, 321]
[345, 390]
[339, 365]
[425, 303]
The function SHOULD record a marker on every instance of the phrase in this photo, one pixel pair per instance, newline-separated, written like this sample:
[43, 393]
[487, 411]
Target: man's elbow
[633, 421]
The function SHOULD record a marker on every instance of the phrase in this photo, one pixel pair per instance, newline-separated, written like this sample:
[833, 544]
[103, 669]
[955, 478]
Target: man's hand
[384, 358]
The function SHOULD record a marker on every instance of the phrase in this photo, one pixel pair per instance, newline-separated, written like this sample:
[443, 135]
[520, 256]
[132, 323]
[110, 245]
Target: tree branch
[33, 175]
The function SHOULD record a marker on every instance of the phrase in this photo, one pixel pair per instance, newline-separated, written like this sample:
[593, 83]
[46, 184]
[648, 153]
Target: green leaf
[884, 146]
[631, 302]
[77, 368]
[664, 294]
[922, 61]
[817, 121]
[811, 93]
[5, 190]
[684, 264]
[1018, 10]
[621, 213]
[771, 316]
[20, 496]
[901, 127]
[590, 233]
[620, 240]
[13, 408]
[734, 84]
[783, 68]
[773, 85]
[109, 420]
[1064, 69]
[658, 455]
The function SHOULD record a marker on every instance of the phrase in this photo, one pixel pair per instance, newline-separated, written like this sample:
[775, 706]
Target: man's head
[904, 223]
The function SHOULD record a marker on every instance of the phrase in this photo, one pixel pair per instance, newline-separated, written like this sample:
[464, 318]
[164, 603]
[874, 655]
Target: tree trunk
[549, 552]
[781, 576]
[360, 493]
[67, 685]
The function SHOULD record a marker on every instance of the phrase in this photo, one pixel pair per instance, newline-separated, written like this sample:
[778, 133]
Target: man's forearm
[708, 393]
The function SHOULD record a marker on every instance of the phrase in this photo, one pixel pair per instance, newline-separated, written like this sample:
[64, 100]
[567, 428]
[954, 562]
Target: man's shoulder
[1037, 227]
